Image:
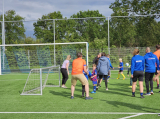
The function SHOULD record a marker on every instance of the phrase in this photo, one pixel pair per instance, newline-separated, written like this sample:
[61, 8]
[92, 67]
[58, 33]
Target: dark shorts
[156, 71]
[120, 70]
[138, 75]
[149, 76]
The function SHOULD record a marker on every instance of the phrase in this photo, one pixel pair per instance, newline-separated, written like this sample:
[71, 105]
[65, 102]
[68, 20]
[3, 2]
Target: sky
[34, 9]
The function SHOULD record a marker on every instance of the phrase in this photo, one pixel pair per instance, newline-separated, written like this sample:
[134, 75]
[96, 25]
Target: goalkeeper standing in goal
[65, 71]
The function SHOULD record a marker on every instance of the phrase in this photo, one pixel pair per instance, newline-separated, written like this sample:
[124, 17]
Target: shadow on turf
[64, 94]
[132, 106]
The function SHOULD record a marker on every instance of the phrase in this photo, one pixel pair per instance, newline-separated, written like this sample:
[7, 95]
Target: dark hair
[79, 54]
[158, 46]
[103, 54]
[107, 55]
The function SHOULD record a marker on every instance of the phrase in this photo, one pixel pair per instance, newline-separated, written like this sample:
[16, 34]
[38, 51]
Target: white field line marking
[76, 113]
[131, 116]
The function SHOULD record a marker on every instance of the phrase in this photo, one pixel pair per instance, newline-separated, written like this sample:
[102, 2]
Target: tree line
[131, 31]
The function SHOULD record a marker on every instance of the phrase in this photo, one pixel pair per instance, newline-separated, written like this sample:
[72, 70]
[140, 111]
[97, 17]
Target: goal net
[40, 78]
[40, 62]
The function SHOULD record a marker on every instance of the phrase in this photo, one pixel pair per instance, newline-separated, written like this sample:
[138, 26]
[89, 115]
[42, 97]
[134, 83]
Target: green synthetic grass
[54, 99]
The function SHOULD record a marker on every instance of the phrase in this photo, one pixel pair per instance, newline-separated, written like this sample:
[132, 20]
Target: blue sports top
[150, 62]
[110, 63]
[137, 63]
[89, 74]
[121, 66]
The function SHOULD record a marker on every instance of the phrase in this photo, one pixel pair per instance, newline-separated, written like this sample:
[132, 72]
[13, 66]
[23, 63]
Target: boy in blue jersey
[94, 78]
[150, 68]
[120, 69]
[87, 76]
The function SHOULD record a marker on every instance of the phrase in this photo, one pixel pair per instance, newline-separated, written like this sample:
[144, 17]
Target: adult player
[65, 71]
[157, 53]
[103, 68]
[150, 69]
[78, 66]
[137, 68]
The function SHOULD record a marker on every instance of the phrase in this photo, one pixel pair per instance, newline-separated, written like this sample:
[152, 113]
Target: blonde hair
[135, 52]
[68, 57]
[120, 59]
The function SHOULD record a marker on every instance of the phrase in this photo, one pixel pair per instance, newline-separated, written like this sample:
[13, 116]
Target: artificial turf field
[55, 103]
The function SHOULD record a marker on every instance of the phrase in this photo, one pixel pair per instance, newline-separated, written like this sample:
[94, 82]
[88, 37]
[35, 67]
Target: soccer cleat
[97, 88]
[147, 94]
[72, 97]
[106, 88]
[133, 95]
[130, 86]
[142, 96]
[151, 92]
[64, 86]
[89, 98]
[117, 78]
[93, 92]
[159, 91]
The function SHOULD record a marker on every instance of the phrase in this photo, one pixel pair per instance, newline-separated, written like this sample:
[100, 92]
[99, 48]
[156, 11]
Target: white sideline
[131, 116]
[77, 113]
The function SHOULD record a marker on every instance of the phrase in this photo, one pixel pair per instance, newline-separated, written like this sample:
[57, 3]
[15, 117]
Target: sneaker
[64, 86]
[97, 88]
[130, 86]
[133, 95]
[142, 96]
[147, 94]
[89, 98]
[106, 88]
[151, 92]
[93, 92]
[159, 91]
[117, 78]
[72, 97]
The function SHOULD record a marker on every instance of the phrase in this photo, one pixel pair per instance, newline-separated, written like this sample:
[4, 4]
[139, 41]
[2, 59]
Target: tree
[14, 31]
[89, 28]
[44, 28]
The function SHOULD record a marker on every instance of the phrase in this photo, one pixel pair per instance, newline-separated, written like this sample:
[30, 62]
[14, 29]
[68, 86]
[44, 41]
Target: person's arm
[132, 67]
[67, 65]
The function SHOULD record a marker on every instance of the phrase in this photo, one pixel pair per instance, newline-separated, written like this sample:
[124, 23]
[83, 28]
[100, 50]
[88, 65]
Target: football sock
[123, 76]
[133, 93]
[157, 85]
[141, 94]
[108, 77]
[118, 75]
[94, 88]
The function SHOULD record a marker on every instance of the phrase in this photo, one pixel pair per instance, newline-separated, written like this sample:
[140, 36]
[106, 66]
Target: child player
[94, 78]
[87, 76]
[120, 69]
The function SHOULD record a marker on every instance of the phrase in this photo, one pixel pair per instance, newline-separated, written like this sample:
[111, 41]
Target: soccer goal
[40, 78]
[40, 62]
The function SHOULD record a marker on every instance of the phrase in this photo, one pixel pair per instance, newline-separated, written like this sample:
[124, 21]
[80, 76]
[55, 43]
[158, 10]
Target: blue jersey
[89, 74]
[121, 66]
[109, 63]
[94, 72]
[137, 63]
[150, 62]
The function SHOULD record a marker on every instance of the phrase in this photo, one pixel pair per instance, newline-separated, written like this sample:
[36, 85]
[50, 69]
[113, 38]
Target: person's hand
[113, 68]
[128, 75]
[131, 76]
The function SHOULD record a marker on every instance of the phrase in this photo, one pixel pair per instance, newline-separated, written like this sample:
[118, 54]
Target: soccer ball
[127, 64]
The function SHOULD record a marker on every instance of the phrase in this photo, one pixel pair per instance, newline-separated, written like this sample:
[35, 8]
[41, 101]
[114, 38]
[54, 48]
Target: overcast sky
[34, 9]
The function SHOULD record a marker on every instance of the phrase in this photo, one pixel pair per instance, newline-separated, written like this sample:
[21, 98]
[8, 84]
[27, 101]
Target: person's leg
[105, 78]
[72, 90]
[118, 75]
[131, 81]
[141, 87]
[87, 90]
[151, 82]
[100, 79]
[147, 75]
[123, 75]
[83, 90]
[65, 77]
[133, 88]
[73, 83]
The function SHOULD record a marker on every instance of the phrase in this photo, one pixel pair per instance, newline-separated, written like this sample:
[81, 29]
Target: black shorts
[120, 70]
[138, 75]
[156, 71]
